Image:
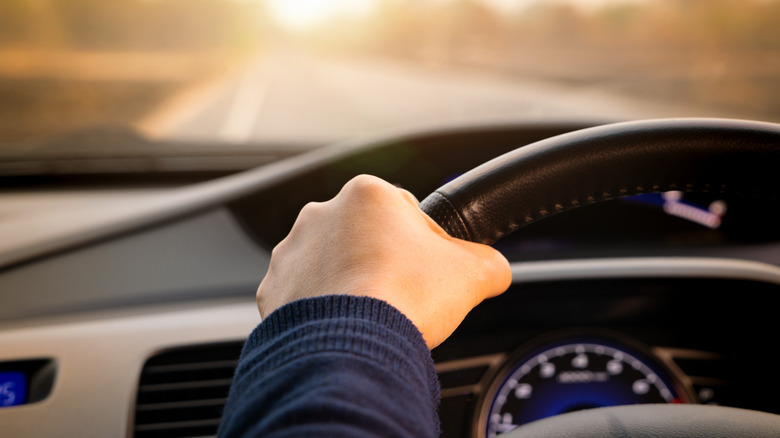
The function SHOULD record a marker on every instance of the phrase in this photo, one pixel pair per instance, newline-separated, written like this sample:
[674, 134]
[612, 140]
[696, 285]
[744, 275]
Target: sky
[513, 5]
[303, 14]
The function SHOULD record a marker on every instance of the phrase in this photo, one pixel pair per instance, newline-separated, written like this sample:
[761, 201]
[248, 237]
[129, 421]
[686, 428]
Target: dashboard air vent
[182, 392]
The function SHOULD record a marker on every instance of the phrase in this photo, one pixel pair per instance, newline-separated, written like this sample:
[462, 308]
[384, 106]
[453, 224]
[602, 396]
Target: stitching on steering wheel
[623, 192]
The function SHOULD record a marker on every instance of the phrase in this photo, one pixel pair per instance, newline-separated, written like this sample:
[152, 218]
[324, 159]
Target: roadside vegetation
[69, 65]
[722, 54]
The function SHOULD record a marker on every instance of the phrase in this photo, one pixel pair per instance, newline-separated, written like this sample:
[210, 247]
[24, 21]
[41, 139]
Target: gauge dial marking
[566, 377]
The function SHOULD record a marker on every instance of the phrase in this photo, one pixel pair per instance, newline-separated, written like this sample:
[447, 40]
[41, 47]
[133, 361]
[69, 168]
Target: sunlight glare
[587, 5]
[305, 14]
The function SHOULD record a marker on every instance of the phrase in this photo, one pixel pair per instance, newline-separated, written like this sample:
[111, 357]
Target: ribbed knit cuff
[362, 326]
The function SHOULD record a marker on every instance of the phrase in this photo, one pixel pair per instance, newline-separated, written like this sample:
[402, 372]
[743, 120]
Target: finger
[366, 183]
[410, 198]
[432, 224]
[415, 204]
[495, 273]
[367, 192]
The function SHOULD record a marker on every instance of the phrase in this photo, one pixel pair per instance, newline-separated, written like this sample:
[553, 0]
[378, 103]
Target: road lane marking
[247, 101]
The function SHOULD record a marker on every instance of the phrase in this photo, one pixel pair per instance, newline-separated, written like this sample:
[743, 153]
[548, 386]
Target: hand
[373, 240]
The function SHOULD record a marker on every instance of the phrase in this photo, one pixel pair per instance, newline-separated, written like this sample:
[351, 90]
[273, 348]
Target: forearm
[334, 366]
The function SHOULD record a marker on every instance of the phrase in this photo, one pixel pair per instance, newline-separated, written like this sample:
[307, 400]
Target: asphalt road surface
[293, 98]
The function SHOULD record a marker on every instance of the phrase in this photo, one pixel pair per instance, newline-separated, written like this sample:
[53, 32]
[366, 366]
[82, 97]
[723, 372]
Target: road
[293, 98]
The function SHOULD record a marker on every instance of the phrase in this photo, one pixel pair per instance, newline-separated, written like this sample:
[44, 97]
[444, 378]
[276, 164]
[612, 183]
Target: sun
[304, 14]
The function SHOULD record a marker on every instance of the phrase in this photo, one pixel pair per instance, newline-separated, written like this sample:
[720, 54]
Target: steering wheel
[608, 162]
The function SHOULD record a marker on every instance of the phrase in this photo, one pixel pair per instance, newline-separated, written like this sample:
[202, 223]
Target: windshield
[305, 73]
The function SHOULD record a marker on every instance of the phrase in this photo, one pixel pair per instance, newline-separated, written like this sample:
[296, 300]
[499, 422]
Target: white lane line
[171, 118]
[246, 104]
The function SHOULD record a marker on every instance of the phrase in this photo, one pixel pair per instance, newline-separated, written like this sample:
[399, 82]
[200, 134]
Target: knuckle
[262, 299]
[409, 196]
[260, 296]
[307, 214]
[310, 208]
[367, 185]
[278, 249]
[364, 179]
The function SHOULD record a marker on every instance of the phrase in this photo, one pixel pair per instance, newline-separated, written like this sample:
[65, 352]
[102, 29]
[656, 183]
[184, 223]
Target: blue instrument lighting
[13, 388]
[569, 375]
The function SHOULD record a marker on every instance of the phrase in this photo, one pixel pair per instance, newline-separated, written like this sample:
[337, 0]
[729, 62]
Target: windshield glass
[310, 72]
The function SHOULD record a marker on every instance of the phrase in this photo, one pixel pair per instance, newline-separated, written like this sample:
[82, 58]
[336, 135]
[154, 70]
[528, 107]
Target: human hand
[373, 240]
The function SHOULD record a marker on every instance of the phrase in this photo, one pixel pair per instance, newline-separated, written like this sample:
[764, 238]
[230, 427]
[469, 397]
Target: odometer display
[569, 377]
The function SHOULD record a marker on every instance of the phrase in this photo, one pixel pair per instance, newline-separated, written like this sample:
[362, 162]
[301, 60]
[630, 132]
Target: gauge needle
[505, 427]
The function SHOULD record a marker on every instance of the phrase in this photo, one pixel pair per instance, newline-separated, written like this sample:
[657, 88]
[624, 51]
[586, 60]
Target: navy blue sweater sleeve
[334, 366]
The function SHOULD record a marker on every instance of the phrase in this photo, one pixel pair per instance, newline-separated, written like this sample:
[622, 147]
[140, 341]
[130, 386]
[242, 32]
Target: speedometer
[573, 375]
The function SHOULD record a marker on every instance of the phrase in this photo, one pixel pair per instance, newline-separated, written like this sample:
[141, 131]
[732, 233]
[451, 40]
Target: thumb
[493, 275]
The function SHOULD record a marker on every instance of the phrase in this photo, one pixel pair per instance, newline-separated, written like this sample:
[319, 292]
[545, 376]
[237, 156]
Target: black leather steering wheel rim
[607, 162]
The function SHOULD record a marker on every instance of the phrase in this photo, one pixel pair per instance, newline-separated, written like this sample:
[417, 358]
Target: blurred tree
[132, 24]
[31, 23]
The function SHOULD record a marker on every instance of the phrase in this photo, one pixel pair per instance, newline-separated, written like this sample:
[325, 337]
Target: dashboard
[127, 320]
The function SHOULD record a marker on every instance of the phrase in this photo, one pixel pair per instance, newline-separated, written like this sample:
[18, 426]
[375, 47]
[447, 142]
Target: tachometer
[568, 376]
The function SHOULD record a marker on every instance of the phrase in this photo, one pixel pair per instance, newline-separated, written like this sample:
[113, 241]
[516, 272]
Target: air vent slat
[182, 392]
[180, 404]
[191, 366]
[176, 425]
[182, 395]
[185, 385]
[178, 414]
